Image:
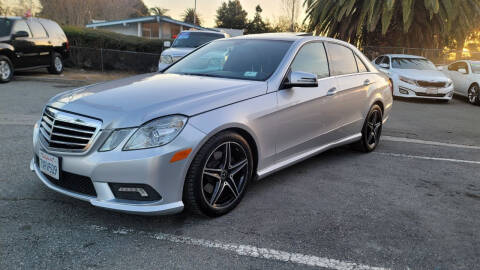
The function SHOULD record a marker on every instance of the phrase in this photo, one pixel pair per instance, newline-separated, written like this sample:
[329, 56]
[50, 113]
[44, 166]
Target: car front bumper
[407, 90]
[151, 167]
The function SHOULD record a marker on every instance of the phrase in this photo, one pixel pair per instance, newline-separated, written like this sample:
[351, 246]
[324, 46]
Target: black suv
[29, 43]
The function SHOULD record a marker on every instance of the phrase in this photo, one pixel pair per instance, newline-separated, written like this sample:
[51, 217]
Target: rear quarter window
[53, 29]
[37, 29]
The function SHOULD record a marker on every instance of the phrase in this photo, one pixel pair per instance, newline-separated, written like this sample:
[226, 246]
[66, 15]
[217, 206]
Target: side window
[341, 59]
[379, 60]
[464, 66]
[21, 25]
[386, 60]
[453, 67]
[37, 29]
[312, 59]
[361, 66]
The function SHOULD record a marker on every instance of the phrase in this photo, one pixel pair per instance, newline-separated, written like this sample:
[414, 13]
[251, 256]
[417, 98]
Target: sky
[272, 9]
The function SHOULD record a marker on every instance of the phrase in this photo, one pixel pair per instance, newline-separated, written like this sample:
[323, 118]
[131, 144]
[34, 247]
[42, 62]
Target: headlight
[115, 139]
[156, 133]
[166, 59]
[449, 83]
[407, 80]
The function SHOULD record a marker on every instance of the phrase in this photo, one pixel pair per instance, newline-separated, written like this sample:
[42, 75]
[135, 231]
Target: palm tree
[413, 23]
[158, 11]
[188, 16]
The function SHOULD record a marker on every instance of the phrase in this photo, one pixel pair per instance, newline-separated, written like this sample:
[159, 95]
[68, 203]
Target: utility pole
[195, 14]
[293, 15]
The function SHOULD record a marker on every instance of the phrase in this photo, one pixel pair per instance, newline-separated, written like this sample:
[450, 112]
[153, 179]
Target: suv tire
[56, 66]
[6, 69]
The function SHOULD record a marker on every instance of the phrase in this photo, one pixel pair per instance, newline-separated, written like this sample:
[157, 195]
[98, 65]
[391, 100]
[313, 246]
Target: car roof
[275, 36]
[203, 31]
[11, 17]
[403, 56]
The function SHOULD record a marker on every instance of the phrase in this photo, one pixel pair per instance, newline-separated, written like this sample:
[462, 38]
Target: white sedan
[415, 77]
[466, 78]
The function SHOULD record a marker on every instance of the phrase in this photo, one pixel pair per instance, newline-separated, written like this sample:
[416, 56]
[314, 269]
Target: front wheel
[56, 66]
[218, 176]
[372, 129]
[474, 94]
[6, 69]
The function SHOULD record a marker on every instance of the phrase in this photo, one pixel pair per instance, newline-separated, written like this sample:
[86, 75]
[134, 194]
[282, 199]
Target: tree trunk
[460, 43]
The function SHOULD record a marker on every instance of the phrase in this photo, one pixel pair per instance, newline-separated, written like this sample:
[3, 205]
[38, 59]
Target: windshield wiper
[201, 74]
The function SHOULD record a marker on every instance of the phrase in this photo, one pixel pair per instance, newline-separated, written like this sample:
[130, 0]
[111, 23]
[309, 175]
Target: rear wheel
[372, 130]
[6, 69]
[56, 66]
[218, 177]
[474, 94]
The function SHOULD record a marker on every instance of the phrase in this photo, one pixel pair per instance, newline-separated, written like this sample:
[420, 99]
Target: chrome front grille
[62, 131]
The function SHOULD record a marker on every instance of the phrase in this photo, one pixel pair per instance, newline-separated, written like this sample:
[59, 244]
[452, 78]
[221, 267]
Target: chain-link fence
[437, 56]
[106, 60]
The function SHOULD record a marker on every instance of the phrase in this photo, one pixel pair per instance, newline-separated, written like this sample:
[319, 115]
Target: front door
[25, 55]
[306, 116]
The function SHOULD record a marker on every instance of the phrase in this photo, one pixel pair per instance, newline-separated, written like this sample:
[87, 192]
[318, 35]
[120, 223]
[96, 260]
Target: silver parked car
[233, 111]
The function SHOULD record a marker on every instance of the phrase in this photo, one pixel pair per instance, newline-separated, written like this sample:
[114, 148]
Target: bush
[94, 38]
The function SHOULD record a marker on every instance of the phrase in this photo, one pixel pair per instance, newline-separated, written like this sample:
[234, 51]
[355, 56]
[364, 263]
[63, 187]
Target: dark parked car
[30, 43]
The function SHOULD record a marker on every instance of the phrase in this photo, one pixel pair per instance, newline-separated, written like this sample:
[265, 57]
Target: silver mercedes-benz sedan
[197, 133]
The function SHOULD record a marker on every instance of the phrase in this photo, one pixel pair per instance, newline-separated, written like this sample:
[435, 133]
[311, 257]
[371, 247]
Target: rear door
[351, 91]
[24, 46]
[43, 46]
[305, 114]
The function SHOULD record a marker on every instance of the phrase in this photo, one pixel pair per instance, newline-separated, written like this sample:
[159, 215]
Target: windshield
[5, 27]
[412, 63]
[237, 59]
[193, 39]
[475, 67]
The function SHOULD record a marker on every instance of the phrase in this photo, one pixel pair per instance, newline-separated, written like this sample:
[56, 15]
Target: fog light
[450, 94]
[403, 91]
[134, 192]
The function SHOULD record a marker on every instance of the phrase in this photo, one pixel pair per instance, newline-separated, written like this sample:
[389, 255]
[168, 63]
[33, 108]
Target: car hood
[177, 51]
[423, 75]
[133, 101]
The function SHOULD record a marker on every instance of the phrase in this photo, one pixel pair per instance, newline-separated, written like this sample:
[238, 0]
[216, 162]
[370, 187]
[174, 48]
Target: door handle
[332, 91]
[366, 82]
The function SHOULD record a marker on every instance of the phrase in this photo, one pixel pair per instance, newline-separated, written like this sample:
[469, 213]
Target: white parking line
[399, 139]
[430, 158]
[252, 251]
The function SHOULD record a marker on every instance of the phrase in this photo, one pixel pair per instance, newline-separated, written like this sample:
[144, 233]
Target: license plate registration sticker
[49, 165]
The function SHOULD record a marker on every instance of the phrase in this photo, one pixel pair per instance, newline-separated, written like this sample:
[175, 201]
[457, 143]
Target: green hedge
[94, 38]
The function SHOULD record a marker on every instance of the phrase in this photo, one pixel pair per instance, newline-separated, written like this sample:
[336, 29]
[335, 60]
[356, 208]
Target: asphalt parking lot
[412, 204]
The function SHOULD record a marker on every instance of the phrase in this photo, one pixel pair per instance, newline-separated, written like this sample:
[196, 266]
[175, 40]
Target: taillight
[67, 45]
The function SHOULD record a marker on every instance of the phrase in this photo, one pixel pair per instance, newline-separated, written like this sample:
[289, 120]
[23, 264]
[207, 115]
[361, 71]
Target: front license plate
[49, 165]
[432, 91]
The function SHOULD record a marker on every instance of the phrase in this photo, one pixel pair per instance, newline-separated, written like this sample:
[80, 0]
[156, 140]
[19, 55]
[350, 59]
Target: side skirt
[283, 164]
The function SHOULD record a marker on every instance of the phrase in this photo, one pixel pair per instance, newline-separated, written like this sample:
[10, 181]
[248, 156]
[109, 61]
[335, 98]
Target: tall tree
[257, 25]
[292, 10]
[188, 16]
[75, 12]
[231, 15]
[158, 11]
[411, 23]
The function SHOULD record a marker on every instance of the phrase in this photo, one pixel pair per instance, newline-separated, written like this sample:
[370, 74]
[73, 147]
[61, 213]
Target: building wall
[130, 29]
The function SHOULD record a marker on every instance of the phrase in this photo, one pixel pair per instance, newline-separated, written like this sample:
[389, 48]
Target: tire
[474, 94]
[6, 69]
[373, 123]
[56, 65]
[212, 188]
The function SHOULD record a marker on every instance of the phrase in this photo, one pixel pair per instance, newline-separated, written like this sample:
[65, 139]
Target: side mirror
[384, 65]
[21, 34]
[167, 44]
[301, 79]
[462, 70]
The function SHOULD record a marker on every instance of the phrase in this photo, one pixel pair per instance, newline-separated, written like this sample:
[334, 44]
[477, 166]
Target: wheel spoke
[230, 183]
[234, 169]
[227, 156]
[217, 192]
[215, 173]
